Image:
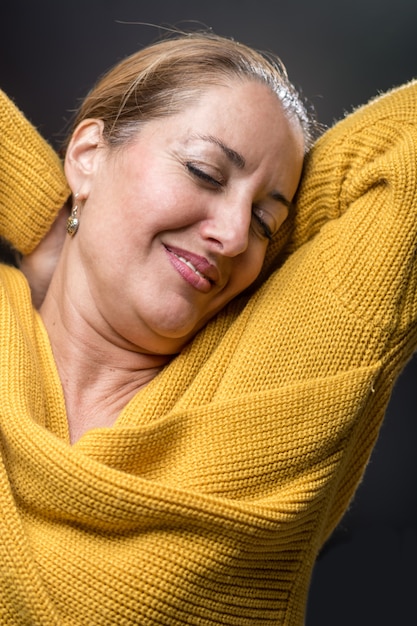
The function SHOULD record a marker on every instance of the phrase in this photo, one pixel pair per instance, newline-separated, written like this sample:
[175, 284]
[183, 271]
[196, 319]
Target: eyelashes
[258, 225]
[203, 176]
[262, 225]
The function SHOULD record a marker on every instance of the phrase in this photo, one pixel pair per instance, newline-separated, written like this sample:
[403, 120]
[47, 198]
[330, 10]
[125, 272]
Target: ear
[83, 155]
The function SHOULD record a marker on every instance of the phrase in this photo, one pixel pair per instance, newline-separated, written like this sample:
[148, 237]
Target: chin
[170, 341]
[172, 333]
[164, 347]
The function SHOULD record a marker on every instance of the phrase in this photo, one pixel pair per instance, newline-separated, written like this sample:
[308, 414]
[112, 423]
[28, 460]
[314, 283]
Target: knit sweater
[208, 500]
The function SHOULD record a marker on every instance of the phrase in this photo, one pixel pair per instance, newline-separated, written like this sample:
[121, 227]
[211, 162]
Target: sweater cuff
[32, 182]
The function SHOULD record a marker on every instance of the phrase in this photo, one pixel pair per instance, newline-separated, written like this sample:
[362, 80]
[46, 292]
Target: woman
[205, 469]
[175, 208]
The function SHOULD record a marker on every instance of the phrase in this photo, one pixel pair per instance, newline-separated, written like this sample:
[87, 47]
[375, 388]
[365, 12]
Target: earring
[73, 222]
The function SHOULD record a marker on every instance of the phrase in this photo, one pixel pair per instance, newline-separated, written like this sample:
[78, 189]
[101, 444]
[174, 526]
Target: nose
[227, 226]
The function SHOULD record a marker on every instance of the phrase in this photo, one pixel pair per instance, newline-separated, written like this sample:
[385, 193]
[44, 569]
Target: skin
[199, 190]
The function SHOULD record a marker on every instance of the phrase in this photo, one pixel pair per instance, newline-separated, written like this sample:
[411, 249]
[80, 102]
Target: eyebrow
[238, 160]
[279, 197]
[233, 156]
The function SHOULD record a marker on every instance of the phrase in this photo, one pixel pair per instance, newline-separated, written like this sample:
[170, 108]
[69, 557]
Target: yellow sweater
[209, 499]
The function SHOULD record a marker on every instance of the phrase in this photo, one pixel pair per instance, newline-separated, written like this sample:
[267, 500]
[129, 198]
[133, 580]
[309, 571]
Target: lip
[208, 274]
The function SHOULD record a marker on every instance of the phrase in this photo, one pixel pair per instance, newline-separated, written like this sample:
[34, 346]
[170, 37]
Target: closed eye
[262, 227]
[203, 176]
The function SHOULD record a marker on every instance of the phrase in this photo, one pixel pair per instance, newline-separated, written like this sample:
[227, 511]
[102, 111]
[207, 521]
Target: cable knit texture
[208, 500]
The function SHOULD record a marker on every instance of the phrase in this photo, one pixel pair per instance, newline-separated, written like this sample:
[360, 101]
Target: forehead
[244, 112]
[249, 118]
[236, 99]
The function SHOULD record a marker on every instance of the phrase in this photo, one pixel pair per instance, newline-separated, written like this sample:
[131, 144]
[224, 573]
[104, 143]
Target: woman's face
[176, 224]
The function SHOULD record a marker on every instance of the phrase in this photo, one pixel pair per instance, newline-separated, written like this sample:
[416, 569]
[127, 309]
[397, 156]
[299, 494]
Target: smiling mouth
[191, 266]
[204, 272]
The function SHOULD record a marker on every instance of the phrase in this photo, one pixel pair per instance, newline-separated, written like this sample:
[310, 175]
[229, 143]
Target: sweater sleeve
[359, 198]
[358, 208]
[32, 181]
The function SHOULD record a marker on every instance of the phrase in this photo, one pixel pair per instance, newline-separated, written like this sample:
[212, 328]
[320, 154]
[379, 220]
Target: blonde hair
[162, 78]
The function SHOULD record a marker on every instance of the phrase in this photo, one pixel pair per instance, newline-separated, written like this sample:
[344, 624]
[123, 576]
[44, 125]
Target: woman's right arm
[32, 182]
[33, 193]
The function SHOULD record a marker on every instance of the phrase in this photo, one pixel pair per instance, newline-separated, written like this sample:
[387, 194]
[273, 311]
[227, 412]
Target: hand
[39, 265]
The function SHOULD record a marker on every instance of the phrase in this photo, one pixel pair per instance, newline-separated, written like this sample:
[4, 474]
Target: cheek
[249, 266]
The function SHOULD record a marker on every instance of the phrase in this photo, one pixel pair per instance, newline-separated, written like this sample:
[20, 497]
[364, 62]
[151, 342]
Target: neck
[99, 376]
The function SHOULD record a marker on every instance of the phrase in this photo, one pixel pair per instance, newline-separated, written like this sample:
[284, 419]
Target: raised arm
[32, 191]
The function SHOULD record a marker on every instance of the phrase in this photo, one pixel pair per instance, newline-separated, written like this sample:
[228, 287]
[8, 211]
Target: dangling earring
[73, 222]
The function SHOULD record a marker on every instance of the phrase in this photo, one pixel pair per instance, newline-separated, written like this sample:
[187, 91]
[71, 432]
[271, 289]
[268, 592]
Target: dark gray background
[340, 54]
